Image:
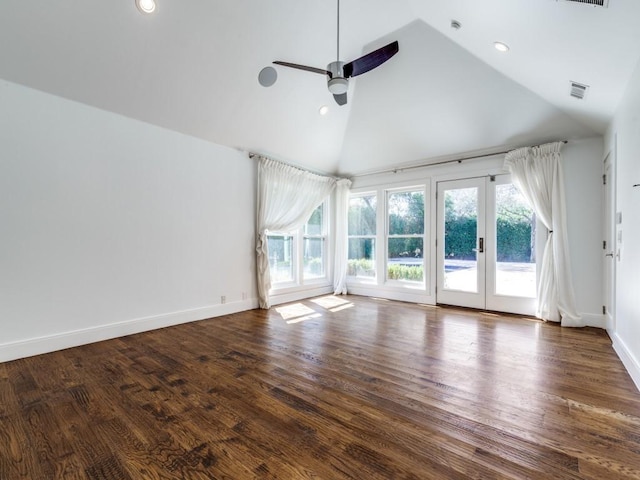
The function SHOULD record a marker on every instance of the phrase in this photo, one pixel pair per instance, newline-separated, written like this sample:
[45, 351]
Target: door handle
[609, 254]
[481, 245]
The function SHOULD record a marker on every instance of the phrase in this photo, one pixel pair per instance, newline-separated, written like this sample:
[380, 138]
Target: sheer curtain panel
[341, 250]
[287, 196]
[537, 172]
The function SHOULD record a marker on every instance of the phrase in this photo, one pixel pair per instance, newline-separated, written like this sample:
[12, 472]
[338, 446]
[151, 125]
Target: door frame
[495, 301]
[475, 299]
[486, 297]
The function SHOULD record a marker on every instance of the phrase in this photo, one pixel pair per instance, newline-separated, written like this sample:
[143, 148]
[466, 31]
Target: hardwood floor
[330, 388]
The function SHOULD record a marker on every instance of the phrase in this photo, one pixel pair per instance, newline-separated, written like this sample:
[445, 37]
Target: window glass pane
[406, 213]
[405, 259]
[362, 254]
[313, 258]
[315, 224]
[515, 243]
[280, 258]
[461, 232]
[362, 215]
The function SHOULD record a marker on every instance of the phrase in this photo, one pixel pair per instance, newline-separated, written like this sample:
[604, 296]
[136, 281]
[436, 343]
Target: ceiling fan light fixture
[338, 85]
[146, 6]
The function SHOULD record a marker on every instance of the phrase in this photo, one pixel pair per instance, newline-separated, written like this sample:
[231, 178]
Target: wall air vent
[578, 90]
[595, 3]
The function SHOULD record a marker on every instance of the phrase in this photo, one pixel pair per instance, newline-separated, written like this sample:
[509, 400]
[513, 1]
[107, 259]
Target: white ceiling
[192, 67]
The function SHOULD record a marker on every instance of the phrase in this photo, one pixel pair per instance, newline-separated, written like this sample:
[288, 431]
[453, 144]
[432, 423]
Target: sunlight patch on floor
[302, 319]
[294, 310]
[341, 307]
[333, 303]
[330, 301]
[298, 312]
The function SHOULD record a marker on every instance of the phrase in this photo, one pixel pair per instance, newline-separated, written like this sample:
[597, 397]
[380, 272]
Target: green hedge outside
[514, 240]
[405, 272]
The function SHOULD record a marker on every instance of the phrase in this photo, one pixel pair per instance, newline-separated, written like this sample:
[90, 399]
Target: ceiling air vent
[595, 3]
[578, 90]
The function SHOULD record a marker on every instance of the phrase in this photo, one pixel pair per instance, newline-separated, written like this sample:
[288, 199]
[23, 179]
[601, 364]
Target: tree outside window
[362, 236]
[405, 240]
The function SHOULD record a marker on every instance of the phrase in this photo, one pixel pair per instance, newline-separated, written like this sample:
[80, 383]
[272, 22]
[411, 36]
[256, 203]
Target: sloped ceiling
[192, 67]
[443, 100]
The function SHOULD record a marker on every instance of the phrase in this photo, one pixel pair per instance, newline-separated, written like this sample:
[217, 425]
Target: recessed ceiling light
[323, 110]
[501, 47]
[146, 6]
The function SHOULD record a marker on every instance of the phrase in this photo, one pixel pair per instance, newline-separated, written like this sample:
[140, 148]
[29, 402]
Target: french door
[487, 244]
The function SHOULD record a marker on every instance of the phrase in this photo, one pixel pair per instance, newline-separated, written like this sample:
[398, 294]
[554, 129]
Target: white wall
[624, 132]
[583, 181]
[110, 226]
[582, 162]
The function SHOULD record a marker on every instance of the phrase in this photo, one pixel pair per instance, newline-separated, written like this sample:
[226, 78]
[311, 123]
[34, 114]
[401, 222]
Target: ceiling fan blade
[341, 99]
[304, 67]
[370, 60]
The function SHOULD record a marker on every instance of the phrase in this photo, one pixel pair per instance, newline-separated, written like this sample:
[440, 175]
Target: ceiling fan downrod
[337, 83]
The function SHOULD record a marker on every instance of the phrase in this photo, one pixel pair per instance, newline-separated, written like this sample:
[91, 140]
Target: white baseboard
[294, 296]
[594, 320]
[60, 341]
[629, 361]
[404, 295]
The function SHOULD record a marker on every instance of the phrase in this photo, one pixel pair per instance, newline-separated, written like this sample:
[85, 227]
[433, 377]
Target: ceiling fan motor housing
[337, 83]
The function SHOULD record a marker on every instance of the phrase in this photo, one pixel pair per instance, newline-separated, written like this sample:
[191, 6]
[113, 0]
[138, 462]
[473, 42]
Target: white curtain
[537, 172]
[341, 243]
[287, 196]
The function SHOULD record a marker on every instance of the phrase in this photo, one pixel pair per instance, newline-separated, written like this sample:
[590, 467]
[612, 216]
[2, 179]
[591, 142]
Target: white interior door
[609, 244]
[488, 242]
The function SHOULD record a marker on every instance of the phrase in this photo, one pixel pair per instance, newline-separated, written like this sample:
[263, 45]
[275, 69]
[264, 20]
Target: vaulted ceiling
[192, 67]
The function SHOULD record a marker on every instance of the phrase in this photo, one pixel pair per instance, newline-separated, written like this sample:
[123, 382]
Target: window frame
[323, 237]
[421, 284]
[299, 282]
[374, 237]
[420, 291]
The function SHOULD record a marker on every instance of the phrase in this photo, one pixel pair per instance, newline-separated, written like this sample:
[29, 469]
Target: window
[405, 239]
[299, 257]
[362, 236]
[314, 239]
[281, 253]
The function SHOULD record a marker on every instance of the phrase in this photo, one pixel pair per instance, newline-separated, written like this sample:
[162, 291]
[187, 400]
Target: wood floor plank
[327, 388]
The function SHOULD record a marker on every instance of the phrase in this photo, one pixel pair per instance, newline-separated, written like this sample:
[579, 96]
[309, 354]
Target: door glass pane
[515, 244]
[460, 238]
[280, 252]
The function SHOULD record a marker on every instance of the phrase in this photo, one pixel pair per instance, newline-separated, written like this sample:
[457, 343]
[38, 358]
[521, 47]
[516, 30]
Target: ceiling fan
[338, 73]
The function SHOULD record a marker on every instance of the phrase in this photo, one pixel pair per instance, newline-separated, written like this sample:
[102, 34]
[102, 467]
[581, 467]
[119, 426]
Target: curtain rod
[253, 155]
[443, 162]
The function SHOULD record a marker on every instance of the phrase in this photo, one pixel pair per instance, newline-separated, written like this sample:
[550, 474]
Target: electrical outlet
[223, 299]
